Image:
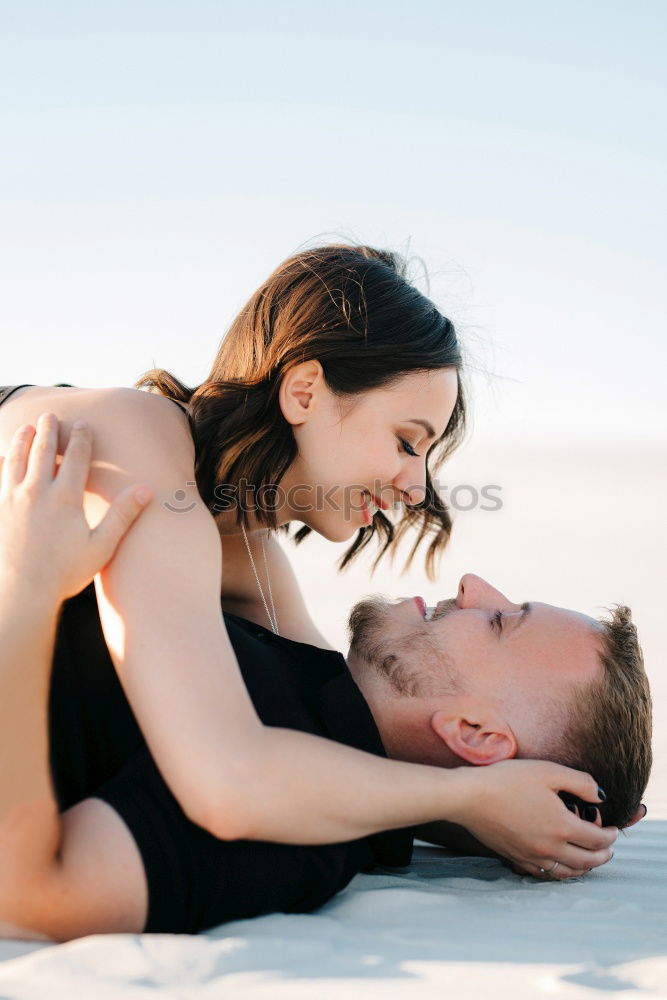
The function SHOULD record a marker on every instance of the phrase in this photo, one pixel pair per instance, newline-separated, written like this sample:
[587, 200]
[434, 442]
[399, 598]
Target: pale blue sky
[160, 158]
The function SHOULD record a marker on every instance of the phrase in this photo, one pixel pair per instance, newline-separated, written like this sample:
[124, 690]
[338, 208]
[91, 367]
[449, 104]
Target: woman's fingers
[588, 812]
[560, 874]
[589, 834]
[588, 845]
[573, 862]
[573, 857]
[578, 783]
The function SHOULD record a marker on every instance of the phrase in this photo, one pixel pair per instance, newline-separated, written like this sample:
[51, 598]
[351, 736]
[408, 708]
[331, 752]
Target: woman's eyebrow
[425, 424]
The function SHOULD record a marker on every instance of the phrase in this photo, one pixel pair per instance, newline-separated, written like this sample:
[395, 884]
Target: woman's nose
[474, 592]
[412, 487]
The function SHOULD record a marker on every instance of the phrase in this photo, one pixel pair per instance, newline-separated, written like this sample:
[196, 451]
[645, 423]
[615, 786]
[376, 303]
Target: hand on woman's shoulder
[135, 433]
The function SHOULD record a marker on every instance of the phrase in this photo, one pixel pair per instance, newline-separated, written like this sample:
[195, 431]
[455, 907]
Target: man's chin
[366, 623]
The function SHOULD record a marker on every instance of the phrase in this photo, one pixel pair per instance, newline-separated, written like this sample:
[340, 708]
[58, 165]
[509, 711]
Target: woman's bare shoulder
[118, 415]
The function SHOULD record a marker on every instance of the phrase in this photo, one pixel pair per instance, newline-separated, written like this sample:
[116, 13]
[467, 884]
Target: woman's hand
[45, 540]
[513, 807]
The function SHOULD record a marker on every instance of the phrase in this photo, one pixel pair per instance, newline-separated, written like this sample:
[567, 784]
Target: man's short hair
[609, 725]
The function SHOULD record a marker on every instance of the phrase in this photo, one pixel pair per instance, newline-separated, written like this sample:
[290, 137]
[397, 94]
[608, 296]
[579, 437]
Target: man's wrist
[19, 595]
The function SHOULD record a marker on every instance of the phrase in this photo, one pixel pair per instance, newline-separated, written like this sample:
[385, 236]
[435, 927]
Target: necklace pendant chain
[273, 619]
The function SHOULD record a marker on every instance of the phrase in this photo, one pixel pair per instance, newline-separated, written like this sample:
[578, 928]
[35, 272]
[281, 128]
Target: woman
[338, 382]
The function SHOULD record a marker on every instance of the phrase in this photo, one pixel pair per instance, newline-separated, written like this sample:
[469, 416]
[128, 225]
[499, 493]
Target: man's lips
[440, 609]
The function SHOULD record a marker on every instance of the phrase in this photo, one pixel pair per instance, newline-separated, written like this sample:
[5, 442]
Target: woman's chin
[342, 531]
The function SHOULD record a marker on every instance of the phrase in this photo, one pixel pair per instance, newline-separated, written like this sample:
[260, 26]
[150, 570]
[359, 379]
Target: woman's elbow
[232, 813]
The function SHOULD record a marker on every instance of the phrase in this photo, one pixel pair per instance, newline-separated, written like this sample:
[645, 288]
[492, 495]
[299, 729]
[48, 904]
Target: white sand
[452, 927]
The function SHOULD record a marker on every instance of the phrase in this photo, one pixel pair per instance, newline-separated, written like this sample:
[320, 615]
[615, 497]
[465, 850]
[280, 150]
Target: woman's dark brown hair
[352, 309]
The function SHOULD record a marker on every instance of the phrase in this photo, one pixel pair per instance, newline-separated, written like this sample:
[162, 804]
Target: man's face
[516, 656]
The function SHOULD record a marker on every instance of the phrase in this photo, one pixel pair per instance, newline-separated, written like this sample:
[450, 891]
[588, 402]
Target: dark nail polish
[571, 806]
[590, 813]
[601, 794]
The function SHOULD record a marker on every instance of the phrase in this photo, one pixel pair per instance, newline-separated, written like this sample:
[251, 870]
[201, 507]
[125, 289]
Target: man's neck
[402, 722]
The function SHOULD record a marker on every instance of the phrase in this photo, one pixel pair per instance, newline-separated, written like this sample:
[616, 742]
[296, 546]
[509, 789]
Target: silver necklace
[274, 619]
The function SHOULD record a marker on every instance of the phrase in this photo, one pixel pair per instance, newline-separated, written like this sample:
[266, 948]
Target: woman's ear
[476, 739]
[299, 389]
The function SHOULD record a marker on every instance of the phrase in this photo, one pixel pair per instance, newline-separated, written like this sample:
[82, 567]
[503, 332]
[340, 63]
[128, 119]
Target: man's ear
[473, 739]
[298, 389]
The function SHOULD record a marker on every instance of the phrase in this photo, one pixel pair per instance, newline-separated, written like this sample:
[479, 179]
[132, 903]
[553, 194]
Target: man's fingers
[75, 466]
[122, 513]
[42, 458]
[16, 460]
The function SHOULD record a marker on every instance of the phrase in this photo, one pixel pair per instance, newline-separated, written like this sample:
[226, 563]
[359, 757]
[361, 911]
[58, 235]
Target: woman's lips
[370, 498]
[379, 503]
[364, 508]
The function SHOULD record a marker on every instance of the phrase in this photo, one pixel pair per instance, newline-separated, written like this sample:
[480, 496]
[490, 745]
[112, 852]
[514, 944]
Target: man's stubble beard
[409, 661]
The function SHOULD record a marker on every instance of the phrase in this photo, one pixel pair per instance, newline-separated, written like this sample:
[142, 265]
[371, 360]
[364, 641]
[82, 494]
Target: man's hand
[45, 539]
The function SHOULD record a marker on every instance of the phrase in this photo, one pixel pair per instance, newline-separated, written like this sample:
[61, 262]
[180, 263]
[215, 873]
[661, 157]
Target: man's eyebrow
[425, 424]
[526, 609]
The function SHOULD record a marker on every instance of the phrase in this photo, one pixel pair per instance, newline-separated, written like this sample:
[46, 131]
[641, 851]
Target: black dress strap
[7, 390]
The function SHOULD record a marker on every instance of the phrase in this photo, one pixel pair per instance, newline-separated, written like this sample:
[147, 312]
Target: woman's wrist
[459, 792]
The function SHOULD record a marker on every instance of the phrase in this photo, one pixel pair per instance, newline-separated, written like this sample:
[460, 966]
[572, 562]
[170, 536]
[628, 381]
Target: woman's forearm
[304, 789]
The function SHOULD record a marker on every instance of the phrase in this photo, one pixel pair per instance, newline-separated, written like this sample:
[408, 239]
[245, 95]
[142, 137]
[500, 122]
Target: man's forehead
[565, 616]
[566, 637]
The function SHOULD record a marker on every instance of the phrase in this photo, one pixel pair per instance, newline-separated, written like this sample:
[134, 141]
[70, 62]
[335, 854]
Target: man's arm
[61, 876]
[35, 577]
[30, 830]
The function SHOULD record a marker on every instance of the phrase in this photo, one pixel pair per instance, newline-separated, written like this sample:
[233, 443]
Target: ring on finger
[550, 871]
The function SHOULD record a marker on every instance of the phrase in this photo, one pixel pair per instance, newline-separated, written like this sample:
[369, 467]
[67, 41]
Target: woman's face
[355, 455]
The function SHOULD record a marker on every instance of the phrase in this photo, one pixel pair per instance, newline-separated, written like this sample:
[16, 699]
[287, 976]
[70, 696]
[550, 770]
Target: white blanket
[447, 927]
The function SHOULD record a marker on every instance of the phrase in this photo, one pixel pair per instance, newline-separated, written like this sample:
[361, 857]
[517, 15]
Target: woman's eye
[408, 447]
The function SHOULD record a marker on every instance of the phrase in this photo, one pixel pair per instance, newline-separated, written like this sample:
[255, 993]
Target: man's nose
[474, 592]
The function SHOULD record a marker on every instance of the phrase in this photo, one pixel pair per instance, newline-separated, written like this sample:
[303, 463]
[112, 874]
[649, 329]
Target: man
[458, 689]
